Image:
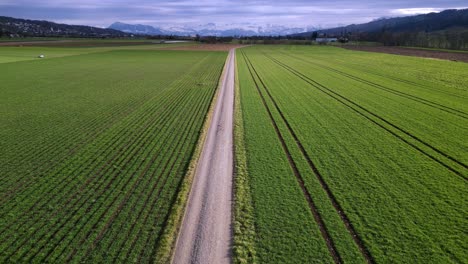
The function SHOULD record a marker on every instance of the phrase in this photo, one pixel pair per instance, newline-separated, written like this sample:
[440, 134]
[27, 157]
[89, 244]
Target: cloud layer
[291, 13]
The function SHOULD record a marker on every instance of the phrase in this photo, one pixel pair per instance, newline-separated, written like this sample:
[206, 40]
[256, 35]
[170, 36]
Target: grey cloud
[293, 12]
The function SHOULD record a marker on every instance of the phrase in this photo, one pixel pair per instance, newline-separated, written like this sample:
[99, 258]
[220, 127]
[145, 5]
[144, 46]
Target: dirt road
[206, 232]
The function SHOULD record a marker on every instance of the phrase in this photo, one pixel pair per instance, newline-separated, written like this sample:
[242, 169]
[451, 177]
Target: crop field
[352, 157]
[95, 144]
[63, 49]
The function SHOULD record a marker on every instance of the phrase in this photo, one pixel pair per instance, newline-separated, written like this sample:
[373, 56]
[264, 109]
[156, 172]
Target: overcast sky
[323, 13]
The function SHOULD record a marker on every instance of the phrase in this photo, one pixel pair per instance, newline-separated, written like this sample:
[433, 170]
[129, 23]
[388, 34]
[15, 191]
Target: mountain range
[453, 22]
[210, 29]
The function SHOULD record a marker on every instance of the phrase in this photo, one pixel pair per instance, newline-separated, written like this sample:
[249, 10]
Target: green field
[351, 157]
[341, 156]
[61, 49]
[95, 144]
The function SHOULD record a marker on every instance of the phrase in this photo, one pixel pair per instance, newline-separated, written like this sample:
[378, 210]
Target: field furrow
[360, 110]
[318, 219]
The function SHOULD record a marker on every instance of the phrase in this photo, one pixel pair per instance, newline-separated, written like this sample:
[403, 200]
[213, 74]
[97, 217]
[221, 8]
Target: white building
[326, 40]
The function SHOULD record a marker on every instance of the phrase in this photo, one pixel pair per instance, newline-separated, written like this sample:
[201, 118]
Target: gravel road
[206, 231]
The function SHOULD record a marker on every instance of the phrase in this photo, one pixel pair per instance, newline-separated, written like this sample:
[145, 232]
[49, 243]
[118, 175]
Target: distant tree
[314, 34]
[343, 39]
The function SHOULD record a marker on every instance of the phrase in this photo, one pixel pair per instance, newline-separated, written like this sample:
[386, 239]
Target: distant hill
[447, 30]
[426, 23]
[136, 29]
[10, 26]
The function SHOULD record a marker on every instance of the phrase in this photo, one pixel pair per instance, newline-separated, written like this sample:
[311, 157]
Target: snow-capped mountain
[136, 29]
[211, 29]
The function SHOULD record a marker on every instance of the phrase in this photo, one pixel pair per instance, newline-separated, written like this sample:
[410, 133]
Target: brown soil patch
[434, 54]
[204, 47]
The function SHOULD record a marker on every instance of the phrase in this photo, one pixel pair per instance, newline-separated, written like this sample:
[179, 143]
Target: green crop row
[382, 160]
[96, 150]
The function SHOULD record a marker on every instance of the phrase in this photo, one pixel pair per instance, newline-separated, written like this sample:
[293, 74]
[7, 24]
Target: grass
[244, 223]
[12, 54]
[284, 232]
[91, 165]
[362, 131]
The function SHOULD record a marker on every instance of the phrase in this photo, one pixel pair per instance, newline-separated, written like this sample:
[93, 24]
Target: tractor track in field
[412, 52]
[339, 210]
[308, 197]
[349, 103]
[394, 78]
[429, 103]
[313, 208]
[405, 81]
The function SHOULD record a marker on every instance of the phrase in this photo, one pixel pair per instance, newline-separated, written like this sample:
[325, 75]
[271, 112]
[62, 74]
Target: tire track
[366, 254]
[410, 83]
[313, 208]
[429, 103]
[394, 78]
[354, 106]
